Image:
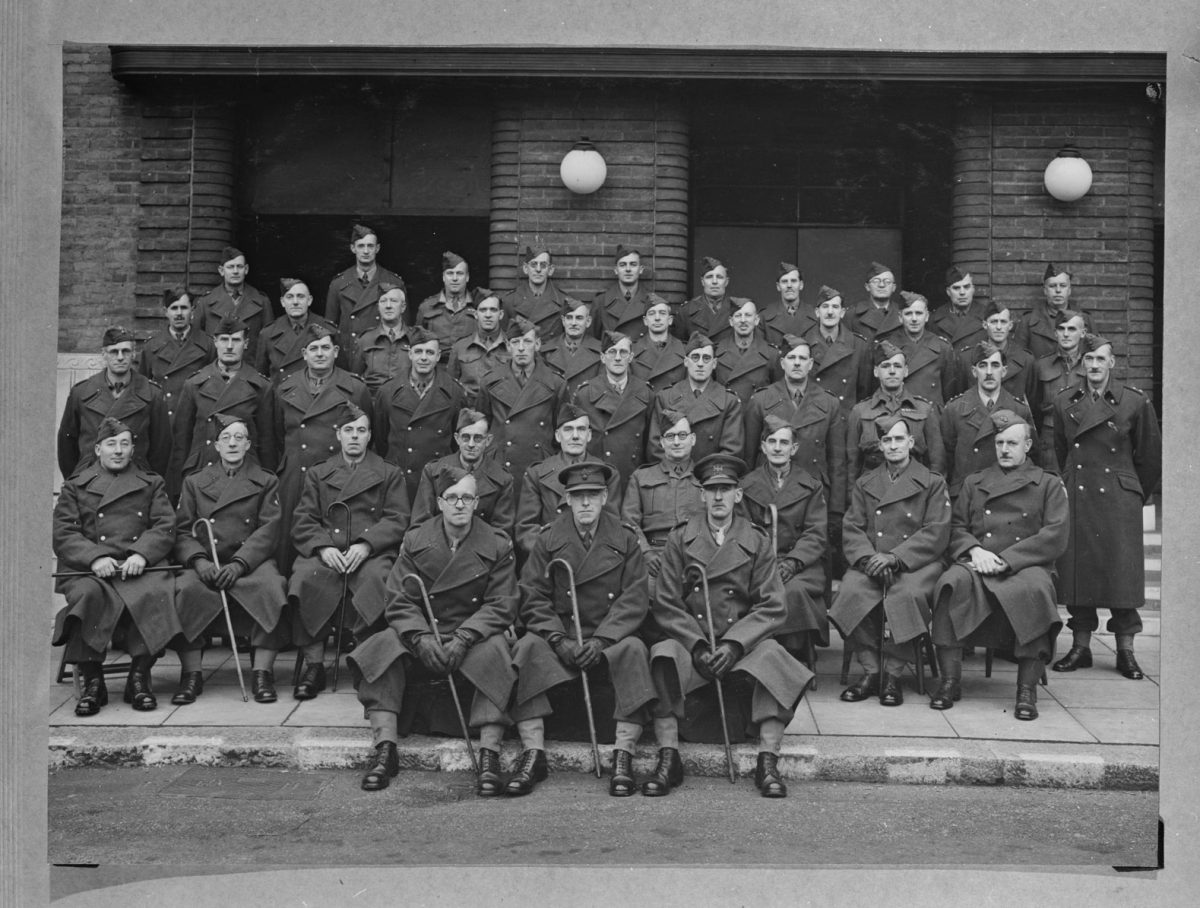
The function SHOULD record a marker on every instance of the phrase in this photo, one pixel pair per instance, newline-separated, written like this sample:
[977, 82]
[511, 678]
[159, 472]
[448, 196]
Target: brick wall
[643, 202]
[147, 196]
[1007, 227]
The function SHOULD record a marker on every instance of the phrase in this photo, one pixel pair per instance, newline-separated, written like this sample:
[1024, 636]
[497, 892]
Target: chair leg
[299, 666]
[930, 655]
[810, 650]
[919, 665]
[987, 662]
[845, 679]
[62, 668]
[1045, 683]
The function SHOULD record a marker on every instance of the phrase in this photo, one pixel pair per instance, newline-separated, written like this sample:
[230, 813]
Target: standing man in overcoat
[841, 359]
[450, 314]
[708, 312]
[175, 353]
[467, 569]
[537, 298]
[350, 303]
[280, 349]
[242, 501]
[658, 355]
[621, 305]
[112, 520]
[894, 537]
[959, 321]
[610, 586]
[1035, 329]
[1008, 526]
[787, 314]
[1107, 439]
[878, 316]
[381, 353]
[746, 362]
[234, 298]
[1055, 373]
[712, 410]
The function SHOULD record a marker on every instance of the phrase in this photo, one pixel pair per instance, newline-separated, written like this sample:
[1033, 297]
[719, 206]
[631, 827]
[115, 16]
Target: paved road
[257, 817]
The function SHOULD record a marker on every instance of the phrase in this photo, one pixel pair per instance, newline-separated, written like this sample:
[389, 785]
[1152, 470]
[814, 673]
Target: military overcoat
[522, 418]
[715, 417]
[141, 406]
[620, 422]
[496, 503]
[841, 366]
[353, 306]
[659, 367]
[280, 350]
[409, 430]
[612, 312]
[746, 373]
[169, 363]
[970, 435]
[252, 307]
[862, 436]
[542, 499]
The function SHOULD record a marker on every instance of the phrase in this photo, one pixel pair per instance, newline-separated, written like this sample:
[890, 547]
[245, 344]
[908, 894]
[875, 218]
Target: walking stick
[774, 512]
[341, 612]
[462, 719]
[587, 691]
[150, 570]
[212, 548]
[698, 569]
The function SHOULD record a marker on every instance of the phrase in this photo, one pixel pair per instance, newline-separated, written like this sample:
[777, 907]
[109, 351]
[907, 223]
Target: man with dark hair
[967, 429]
[242, 501]
[708, 313]
[415, 412]
[712, 410]
[658, 356]
[358, 542]
[174, 354]
[609, 590]
[1057, 372]
[466, 567]
[892, 399]
[621, 305]
[932, 365]
[112, 520]
[878, 316]
[958, 322]
[450, 314]
[228, 386]
[234, 298]
[537, 298]
[350, 301]
[1035, 329]
[746, 362]
[1107, 440]
[893, 536]
[746, 597]
[1008, 526]
[280, 350]
[471, 357]
[1020, 369]
[786, 315]
[841, 359]
[381, 353]
[120, 392]
[521, 400]
[495, 502]
[542, 497]
[304, 412]
[574, 353]
[618, 408]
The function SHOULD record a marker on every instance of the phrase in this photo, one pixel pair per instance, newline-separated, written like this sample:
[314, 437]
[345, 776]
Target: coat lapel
[112, 487]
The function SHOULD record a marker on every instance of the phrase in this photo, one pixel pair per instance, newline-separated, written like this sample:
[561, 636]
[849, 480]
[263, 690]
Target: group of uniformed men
[313, 463]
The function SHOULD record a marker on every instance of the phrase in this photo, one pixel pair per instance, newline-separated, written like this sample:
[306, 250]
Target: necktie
[628, 295]
[364, 279]
[587, 540]
[990, 403]
[696, 393]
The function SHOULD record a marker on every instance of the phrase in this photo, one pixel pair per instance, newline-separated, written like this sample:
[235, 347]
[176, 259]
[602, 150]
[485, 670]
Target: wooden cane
[212, 548]
[587, 691]
[462, 719]
[341, 611]
[697, 568]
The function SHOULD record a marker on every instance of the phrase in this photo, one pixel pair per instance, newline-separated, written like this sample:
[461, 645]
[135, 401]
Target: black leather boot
[864, 687]
[1026, 708]
[262, 685]
[767, 778]
[622, 783]
[312, 682]
[94, 691]
[531, 769]
[667, 774]
[191, 686]
[384, 766]
[487, 782]
[949, 690]
[138, 691]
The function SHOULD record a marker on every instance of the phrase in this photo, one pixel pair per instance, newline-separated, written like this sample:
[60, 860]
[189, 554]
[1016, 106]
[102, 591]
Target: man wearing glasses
[878, 316]
[542, 497]
[618, 407]
[537, 298]
[120, 392]
[712, 410]
[495, 503]
[415, 412]
[466, 567]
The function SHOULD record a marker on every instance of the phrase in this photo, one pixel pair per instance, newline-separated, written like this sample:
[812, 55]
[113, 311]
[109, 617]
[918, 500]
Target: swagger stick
[462, 719]
[697, 568]
[150, 570]
[341, 612]
[212, 548]
[587, 691]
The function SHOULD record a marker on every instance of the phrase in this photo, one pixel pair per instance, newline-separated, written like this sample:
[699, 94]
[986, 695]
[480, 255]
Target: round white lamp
[1068, 177]
[583, 169]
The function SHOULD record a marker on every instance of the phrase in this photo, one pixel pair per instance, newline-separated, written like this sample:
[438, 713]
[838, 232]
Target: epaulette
[1138, 391]
[959, 395]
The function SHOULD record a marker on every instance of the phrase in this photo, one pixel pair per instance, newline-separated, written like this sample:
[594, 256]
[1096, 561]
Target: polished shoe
[1026, 708]
[94, 691]
[864, 687]
[948, 693]
[667, 774]
[622, 784]
[891, 694]
[311, 683]
[138, 692]
[262, 685]
[191, 686]
[487, 781]
[767, 778]
[1127, 665]
[531, 769]
[384, 766]
[1076, 657]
